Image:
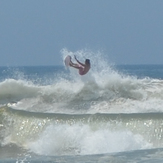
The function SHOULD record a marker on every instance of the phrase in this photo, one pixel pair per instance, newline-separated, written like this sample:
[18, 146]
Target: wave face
[82, 134]
[54, 111]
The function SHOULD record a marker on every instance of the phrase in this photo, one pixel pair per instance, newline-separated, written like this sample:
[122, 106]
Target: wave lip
[14, 90]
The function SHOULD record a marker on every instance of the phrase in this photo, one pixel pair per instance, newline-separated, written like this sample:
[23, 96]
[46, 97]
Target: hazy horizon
[33, 33]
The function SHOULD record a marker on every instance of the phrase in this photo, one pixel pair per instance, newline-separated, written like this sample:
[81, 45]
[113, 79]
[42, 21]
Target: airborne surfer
[82, 67]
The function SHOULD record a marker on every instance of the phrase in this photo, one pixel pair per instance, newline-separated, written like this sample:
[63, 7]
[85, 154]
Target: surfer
[83, 68]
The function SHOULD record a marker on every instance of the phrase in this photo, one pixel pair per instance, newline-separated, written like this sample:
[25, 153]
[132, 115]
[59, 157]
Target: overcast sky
[33, 32]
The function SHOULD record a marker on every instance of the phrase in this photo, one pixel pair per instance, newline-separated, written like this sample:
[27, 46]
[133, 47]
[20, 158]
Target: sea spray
[103, 90]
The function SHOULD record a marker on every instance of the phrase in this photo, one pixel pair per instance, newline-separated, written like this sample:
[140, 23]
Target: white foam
[104, 95]
[83, 140]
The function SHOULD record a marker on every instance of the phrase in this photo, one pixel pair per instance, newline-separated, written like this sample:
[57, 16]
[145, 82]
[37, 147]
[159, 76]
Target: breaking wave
[62, 134]
[63, 113]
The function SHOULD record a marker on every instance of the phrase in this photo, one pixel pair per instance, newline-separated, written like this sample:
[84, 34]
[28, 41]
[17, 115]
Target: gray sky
[33, 32]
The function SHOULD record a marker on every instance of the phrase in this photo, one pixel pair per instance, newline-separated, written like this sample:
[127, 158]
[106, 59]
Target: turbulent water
[112, 114]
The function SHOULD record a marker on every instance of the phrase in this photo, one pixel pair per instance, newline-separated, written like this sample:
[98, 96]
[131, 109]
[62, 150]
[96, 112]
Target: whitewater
[112, 114]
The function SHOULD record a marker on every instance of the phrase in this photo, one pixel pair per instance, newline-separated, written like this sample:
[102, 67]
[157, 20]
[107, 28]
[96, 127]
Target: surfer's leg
[74, 65]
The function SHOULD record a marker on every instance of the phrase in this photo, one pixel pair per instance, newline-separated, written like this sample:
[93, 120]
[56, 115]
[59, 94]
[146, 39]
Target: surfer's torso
[83, 69]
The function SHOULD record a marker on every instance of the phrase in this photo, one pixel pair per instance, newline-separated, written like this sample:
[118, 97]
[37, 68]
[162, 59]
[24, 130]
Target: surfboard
[67, 60]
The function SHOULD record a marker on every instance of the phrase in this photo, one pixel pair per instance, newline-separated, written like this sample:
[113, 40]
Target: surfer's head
[87, 61]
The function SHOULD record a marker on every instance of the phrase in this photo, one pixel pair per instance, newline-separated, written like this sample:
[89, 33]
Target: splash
[102, 90]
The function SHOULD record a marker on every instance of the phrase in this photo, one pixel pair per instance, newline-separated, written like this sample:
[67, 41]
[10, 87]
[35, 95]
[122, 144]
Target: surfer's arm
[79, 61]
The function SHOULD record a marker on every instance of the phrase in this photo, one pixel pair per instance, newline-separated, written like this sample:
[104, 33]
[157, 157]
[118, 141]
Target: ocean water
[113, 114]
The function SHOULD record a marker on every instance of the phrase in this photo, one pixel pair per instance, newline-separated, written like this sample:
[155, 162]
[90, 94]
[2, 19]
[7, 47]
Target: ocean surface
[113, 114]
